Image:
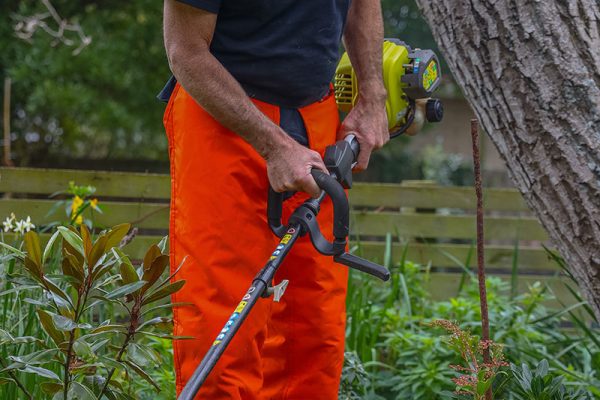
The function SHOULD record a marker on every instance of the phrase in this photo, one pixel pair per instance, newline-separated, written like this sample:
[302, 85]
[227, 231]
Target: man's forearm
[363, 38]
[213, 87]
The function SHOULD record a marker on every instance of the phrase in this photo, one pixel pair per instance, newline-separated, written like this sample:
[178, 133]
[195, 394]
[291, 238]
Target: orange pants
[288, 350]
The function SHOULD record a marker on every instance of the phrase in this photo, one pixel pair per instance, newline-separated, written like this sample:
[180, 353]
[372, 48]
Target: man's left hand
[368, 122]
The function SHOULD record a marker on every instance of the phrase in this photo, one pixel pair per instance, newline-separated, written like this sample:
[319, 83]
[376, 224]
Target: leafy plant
[476, 375]
[540, 384]
[74, 351]
[405, 359]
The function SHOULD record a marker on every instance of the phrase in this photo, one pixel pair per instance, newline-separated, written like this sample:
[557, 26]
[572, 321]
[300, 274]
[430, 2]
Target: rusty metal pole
[6, 122]
[485, 322]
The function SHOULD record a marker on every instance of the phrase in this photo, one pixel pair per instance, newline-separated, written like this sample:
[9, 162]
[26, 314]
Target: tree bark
[531, 71]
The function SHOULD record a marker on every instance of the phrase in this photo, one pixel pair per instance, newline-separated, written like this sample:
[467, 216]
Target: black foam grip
[360, 264]
[341, 209]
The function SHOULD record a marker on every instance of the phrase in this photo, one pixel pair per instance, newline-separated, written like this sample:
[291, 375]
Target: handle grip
[360, 264]
[274, 212]
[341, 209]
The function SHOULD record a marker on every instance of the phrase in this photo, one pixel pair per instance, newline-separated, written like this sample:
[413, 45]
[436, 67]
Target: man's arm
[188, 32]
[363, 39]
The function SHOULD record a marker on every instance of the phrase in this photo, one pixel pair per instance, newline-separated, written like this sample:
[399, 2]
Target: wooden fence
[435, 224]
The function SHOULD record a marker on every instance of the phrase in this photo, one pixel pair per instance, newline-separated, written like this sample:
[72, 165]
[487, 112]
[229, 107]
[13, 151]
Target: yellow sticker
[285, 239]
[241, 306]
[272, 258]
[216, 342]
[430, 76]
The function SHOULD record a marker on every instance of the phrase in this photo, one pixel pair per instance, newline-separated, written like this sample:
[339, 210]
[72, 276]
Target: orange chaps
[293, 349]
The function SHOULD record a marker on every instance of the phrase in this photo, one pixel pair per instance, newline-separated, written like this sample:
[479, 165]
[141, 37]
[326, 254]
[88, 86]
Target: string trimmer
[410, 78]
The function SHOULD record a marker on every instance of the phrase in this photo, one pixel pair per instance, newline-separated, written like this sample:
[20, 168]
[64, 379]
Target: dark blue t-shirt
[283, 52]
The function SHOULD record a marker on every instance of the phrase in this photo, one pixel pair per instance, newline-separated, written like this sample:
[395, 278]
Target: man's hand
[289, 166]
[368, 122]
[363, 39]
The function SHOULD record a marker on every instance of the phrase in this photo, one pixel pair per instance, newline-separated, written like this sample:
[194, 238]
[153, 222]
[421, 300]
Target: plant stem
[17, 381]
[78, 311]
[133, 325]
[485, 323]
[118, 358]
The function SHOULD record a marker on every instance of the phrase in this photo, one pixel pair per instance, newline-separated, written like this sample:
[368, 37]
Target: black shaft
[256, 290]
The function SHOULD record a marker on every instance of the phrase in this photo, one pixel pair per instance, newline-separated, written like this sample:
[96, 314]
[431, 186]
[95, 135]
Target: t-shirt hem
[207, 5]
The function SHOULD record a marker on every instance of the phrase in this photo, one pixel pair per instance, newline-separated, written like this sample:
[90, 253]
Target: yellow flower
[75, 205]
[94, 204]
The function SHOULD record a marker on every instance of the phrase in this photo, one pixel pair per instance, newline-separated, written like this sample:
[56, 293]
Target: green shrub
[78, 316]
[404, 358]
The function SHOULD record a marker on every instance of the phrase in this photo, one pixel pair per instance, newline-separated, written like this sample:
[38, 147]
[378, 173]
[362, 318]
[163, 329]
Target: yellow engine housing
[407, 74]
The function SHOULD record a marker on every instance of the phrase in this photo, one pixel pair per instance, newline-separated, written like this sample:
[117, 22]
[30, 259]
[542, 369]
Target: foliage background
[98, 109]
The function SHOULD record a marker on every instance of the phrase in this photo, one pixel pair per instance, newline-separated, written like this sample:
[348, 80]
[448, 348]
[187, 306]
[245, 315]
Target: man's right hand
[289, 165]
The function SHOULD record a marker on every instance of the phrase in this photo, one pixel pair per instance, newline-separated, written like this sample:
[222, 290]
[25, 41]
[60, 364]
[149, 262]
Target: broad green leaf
[82, 348]
[135, 355]
[109, 362]
[163, 292]
[128, 273]
[156, 321]
[56, 290]
[162, 245]
[36, 358]
[155, 271]
[77, 391]
[34, 269]
[13, 250]
[164, 335]
[102, 269]
[97, 251]
[74, 240]
[125, 290]
[66, 324]
[43, 372]
[68, 249]
[47, 323]
[170, 305]
[49, 245]
[143, 374]
[69, 269]
[170, 277]
[98, 345]
[109, 327]
[115, 235]
[86, 239]
[51, 387]
[33, 247]
[6, 337]
[151, 254]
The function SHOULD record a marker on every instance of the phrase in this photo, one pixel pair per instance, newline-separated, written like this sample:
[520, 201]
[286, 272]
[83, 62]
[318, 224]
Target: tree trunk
[531, 71]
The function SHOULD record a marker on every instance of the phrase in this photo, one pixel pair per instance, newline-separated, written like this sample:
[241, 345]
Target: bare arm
[363, 39]
[187, 33]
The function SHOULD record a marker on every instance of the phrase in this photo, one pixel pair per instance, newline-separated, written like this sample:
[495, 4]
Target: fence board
[445, 226]
[109, 184]
[142, 215]
[155, 216]
[157, 186]
[455, 255]
[393, 195]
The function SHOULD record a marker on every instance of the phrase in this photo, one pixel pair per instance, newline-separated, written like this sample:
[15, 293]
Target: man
[253, 105]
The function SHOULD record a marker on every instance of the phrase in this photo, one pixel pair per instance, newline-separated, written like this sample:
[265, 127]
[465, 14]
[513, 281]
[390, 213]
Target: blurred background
[81, 79]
